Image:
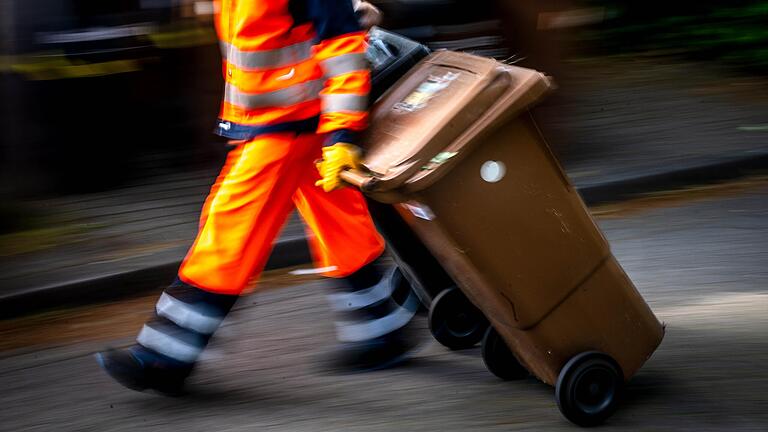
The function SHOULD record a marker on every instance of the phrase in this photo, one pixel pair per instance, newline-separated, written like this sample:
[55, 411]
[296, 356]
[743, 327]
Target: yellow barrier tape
[196, 36]
[55, 65]
[62, 68]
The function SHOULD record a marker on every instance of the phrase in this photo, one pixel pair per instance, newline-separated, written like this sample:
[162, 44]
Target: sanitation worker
[296, 93]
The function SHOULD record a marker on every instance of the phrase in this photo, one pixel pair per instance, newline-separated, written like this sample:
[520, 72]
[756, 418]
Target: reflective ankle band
[186, 315]
[363, 298]
[168, 345]
[354, 331]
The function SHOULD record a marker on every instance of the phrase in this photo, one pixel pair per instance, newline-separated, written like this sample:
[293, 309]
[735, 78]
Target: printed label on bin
[419, 210]
[427, 90]
[438, 160]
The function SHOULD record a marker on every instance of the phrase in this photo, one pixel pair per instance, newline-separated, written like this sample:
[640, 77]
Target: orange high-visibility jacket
[292, 65]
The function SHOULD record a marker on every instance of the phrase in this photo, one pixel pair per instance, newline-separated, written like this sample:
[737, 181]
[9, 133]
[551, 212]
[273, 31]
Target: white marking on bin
[493, 171]
[419, 210]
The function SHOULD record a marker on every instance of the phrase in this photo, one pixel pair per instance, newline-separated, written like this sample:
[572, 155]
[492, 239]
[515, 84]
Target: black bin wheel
[589, 388]
[454, 321]
[499, 359]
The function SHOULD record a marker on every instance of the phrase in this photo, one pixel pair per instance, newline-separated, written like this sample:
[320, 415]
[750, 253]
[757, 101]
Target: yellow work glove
[337, 158]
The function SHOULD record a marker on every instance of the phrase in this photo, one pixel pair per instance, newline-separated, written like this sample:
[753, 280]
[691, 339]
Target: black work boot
[168, 345]
[373, 330]
[140, 369]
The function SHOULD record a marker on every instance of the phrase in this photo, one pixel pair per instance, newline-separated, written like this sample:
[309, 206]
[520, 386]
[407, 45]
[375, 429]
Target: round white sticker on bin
[493, 171]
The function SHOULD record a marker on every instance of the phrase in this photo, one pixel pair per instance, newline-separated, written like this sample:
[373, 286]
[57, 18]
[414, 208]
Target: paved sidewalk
[633, 126]
[699, 264]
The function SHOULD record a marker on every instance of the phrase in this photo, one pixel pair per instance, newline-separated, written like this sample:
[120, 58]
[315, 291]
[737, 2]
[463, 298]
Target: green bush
[734, 32]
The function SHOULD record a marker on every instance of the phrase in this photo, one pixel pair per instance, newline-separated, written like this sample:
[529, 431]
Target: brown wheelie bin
[454, 149]
[453, 320]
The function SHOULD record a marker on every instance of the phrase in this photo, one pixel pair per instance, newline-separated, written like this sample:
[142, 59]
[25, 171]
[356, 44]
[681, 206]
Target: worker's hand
[368, 15]
[337, 158]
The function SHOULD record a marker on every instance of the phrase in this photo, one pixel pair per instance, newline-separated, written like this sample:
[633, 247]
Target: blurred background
[99, 93]
[96, 94]
[660, 119]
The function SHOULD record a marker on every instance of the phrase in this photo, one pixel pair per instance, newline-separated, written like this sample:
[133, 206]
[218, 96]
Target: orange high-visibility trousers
[261, 182]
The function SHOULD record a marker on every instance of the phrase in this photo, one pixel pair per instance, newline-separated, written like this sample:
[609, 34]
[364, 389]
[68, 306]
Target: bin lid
[445, 102]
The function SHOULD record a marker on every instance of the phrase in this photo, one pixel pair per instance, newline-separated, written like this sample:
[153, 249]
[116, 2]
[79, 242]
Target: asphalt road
[702, 265]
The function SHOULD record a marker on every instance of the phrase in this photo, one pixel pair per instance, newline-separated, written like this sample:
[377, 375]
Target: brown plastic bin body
[454, 148]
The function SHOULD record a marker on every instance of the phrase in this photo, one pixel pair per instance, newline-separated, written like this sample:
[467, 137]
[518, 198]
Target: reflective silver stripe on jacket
[263, 59]
[362, 331]
[363, 298]
[343, 102]
[186, 316]
[168, 345]
[343, 64]
[292, 95]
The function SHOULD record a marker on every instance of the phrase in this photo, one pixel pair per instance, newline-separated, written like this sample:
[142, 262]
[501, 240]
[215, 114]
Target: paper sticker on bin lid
[427, 90]
[439, 159]
[442, 157]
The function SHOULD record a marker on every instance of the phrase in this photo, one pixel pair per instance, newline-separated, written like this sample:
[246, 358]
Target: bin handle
[359, 179]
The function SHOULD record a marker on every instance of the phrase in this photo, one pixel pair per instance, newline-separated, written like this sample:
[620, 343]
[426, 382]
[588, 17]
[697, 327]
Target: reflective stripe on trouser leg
[358, 331]
[362, 298]
[185, 319]
[371, 312]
